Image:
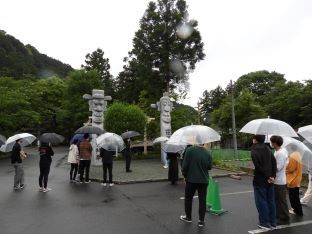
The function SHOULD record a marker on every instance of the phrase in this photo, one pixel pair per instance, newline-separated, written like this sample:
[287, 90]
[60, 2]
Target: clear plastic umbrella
[194, 134]
[269, 127]
[160, 139]
[169, 148]
[306, 133]
[26, 139]
[293, 145]
[110, 141]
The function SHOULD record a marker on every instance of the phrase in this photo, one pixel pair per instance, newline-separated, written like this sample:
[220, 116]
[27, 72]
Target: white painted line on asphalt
[282, 226]
[182, 198]
[242, 192]
[226, 194]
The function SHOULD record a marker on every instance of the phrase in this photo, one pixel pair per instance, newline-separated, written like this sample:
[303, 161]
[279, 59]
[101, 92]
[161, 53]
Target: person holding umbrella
[280, 188]
[107, 162]
[73, 156]
[195, 168]
[127, 151]
[45, 152]
[16, 160]
[173, 172]
[308, 194]
[127, 154]
[263, 181]
[294, 176]
[85, 154]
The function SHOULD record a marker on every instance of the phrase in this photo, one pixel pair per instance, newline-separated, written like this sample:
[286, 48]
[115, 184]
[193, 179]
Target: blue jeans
[265, 203]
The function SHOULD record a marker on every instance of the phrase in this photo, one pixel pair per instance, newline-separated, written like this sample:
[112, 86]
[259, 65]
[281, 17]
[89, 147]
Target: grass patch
[228, 154]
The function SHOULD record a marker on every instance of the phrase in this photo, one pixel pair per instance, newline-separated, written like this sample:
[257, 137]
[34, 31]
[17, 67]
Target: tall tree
[75, 110]
[161, 60]
[210, 101]
[96, 61]
[259, 83]
[285, 101]
[246, 109]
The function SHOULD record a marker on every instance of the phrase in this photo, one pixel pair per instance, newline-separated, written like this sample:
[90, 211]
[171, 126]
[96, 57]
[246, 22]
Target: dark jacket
[197, 161]
[265, 164]
[127, 150]
[15, 154]
[173, 172]
[107, 156]
[45, 153]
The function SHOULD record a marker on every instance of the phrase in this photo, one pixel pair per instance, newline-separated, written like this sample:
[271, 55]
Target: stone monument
[165, 107]
[97, 104]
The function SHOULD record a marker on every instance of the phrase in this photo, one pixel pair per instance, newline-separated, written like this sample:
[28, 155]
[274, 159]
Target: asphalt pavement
[152, 207]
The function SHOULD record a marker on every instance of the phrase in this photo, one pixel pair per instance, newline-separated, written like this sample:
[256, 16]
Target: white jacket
[73, 154]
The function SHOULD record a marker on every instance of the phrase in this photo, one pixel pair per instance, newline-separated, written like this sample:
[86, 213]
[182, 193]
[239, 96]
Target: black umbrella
[2, 140]
[90, 129]
[51, 137]
[130, 134]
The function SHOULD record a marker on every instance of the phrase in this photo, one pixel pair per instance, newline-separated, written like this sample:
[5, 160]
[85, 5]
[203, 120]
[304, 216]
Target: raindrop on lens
[184, 30]
[177, 66]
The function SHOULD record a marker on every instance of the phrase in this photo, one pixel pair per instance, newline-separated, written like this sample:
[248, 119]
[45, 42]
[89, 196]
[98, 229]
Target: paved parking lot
[130, 208]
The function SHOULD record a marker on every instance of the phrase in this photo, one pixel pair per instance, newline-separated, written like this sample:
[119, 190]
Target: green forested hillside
[23, 61]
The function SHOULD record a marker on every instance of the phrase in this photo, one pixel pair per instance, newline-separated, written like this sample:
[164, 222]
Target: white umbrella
[194, 134]
[306, 133]
[26, 139]
[269, 127]
[293, 145]
[169, 148]
[160, 139]
[110, 141]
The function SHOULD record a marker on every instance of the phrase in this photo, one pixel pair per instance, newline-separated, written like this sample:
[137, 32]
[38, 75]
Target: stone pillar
[165, 107]
[97, 104]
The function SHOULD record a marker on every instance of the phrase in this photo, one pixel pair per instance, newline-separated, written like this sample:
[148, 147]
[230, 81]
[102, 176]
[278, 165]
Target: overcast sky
[239, 36]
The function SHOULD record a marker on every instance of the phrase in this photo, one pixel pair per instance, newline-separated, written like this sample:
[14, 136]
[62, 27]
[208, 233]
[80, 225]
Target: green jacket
[196, 163]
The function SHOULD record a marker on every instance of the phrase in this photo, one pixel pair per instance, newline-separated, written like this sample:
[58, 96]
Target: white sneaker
[87, 182]
[40, 189]
[111, 184]
[45, 190]
[103, 184]
[291, 211]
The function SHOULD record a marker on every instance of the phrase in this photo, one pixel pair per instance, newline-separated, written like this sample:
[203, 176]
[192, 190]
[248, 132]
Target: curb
[162, 180]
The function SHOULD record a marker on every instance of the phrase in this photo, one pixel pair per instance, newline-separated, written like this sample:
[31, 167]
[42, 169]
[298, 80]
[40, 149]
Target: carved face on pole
[165, 107]
[98, 106]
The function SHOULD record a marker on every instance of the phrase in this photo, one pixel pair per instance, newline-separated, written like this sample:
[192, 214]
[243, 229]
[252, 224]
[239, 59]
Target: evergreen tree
[96, 61]
[161, 60]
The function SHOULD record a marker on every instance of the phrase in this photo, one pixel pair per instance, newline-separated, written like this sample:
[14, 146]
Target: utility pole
[198, 114]
[233, 122]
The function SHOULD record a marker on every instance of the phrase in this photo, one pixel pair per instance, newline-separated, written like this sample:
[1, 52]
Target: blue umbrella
[78, 136]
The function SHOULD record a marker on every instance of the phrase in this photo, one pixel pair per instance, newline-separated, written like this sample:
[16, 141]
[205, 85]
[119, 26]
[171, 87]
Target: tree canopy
[161, 60]
[20, 61]
[96, 61]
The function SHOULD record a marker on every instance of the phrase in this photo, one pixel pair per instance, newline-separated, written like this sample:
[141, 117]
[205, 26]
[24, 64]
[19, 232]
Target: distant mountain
[21, 61]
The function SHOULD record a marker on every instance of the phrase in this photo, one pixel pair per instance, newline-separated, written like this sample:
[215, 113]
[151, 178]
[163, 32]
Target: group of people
[79, 157]
[274, 175]
[17, 157]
